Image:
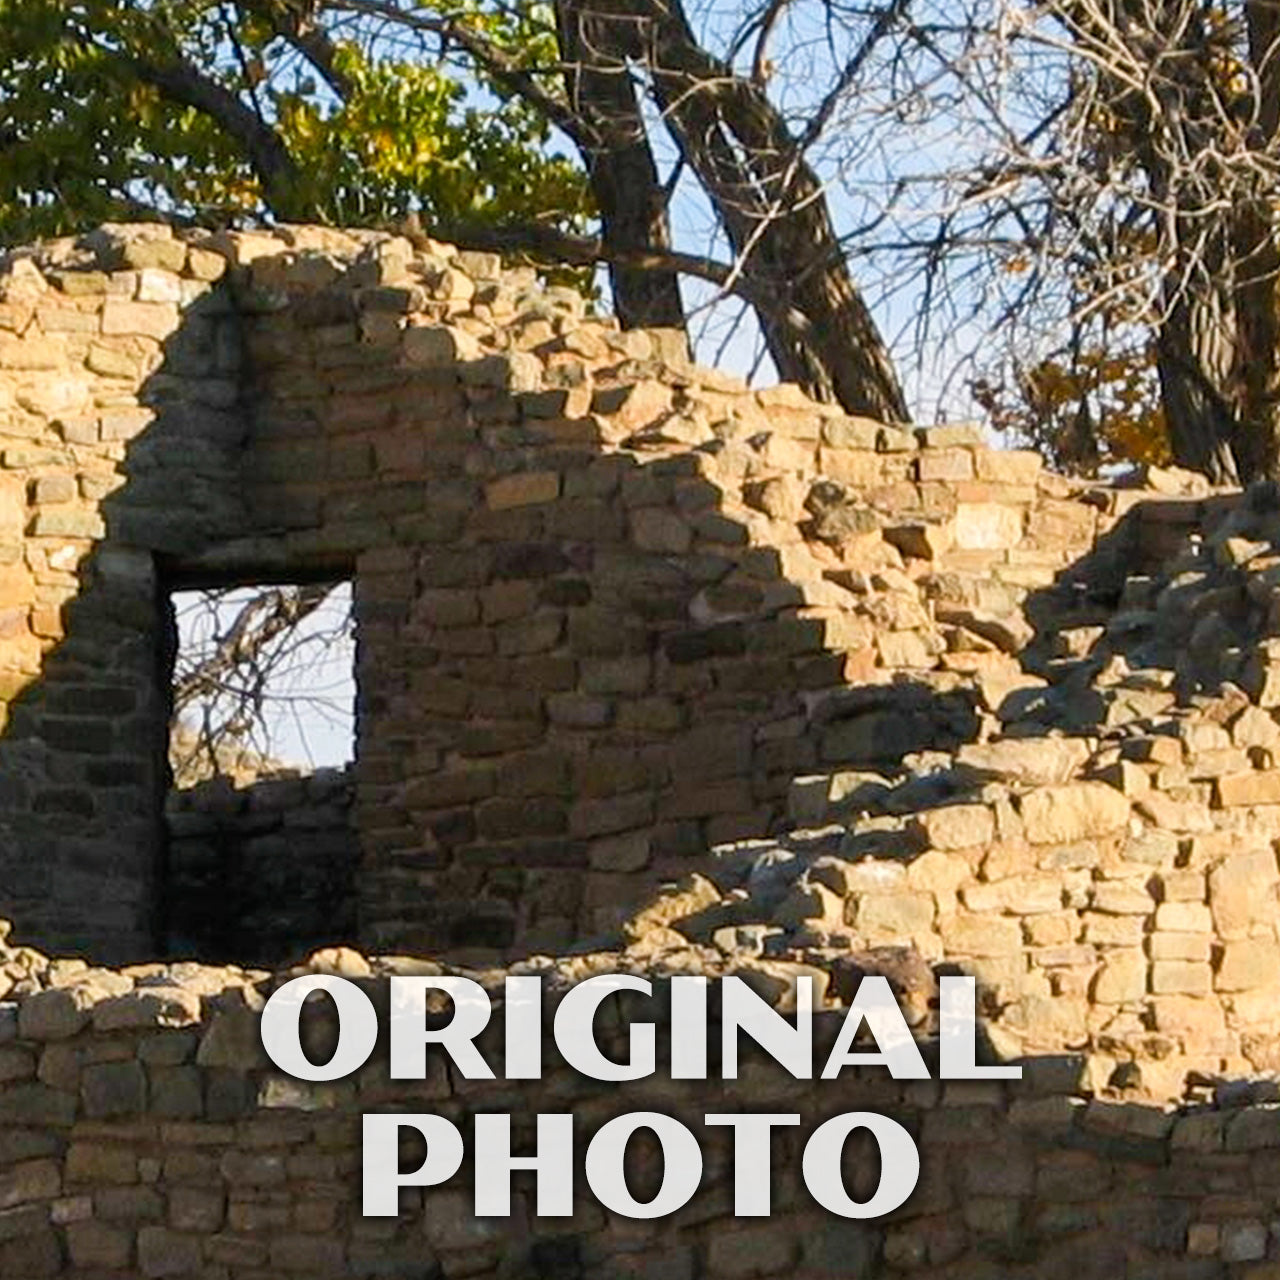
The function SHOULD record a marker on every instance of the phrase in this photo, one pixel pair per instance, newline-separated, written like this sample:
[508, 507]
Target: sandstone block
[1184, 917]
[986, 526]
[521, 489]
[114, 1089]
[811, 904]
[1122, 979]
[60, 1012]
[163, 1005]
[141, 319]
[29, 1180]
[32, 353]
[910, 649]
[162, 1252]
[1008, 466]
[156, 254]
[1121, 898]
[921, 541]
[1247, 963]
[98, 1244]
[1254, 787]
[1181, 977]
[156, 285]
[660, 530]
[1078, 811]
[436, 346]
[958, 826]
[970, 935]
[1038, 760]
[896, 915]
[938, 873]
[1242, 891]
[1180, 946]
[944, 464]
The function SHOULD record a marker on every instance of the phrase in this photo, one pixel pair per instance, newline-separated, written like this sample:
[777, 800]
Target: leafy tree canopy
[118, 110]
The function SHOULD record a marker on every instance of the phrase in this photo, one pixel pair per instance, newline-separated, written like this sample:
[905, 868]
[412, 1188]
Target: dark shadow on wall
[85, 864]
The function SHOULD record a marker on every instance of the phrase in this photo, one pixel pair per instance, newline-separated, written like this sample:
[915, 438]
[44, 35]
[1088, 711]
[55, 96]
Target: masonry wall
[606, 601]
[142, 1135]
[261, 873]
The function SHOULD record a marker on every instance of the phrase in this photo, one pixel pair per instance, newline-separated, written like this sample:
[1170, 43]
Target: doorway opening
[261, 850]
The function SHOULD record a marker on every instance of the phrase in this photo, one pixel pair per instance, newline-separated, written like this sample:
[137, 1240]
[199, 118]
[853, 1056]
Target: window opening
[263, 681]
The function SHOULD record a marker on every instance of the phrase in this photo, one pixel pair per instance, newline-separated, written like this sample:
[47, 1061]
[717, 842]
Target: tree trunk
[1257, 262]
[816, 325]
[1194, 357]
[620, 165]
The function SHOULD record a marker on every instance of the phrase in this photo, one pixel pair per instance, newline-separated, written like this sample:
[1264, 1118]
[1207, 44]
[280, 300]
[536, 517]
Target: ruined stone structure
[857, 696]
[603, 598]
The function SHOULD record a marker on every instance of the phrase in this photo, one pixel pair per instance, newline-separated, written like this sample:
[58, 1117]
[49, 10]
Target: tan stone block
[1182, 886]
[986, 526]
[523, 488]
[1042, 760]
[1248, 963]
[1078, 811]
[1008, 466]
[856, 468]
[938, 873]
[1022, 895]
[1181, 977]
[921, 541]
[1184, 917]
[1169, 814]
[1054, 1022]
[958, 826]
[144, 319]
[815, 905]
[1122, 978]
[1254, 787]
[1242, 890]
[980, 935]
[156, 285]
[1188, 1016]
[17, 587]
[1121, 898]
[898, 915]
[1113, 931]
[1180, 946]
[944, 464]
[1053, 929]
[910, 650]
[633, 405]
[851, 432]
[1254, 727]
[32, 353]
[113, 361]
[203, 265]
[124, 423]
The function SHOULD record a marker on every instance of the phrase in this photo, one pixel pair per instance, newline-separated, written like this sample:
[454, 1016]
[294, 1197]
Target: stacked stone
[263, 871]
[599, 589]
[1101, 852]
[143, 1133]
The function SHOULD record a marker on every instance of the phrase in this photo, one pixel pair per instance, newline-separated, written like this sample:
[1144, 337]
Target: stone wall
[262, 872]
[609, 604]
[142, 1134]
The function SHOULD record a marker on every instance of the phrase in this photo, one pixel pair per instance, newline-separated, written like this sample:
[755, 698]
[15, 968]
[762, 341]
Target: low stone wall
[141, 1134]
[263, 873]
